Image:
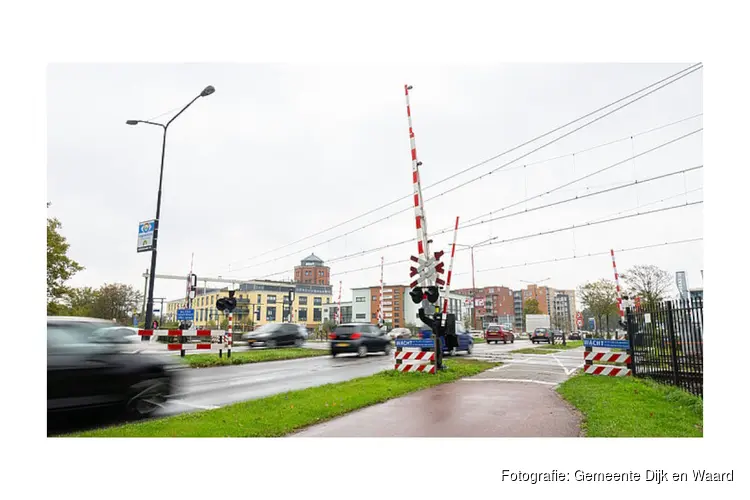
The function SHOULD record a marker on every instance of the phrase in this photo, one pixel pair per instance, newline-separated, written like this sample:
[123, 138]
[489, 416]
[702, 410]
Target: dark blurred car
[465, 341]
[360, 338]
[276, 334]
[574, 336]
[91, 367]
[542, 335]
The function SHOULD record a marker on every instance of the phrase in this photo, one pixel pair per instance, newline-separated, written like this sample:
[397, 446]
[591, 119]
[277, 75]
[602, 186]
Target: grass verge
[533, 350]
[282, 414]
[549, 348]
[632, 407]
[244, 357]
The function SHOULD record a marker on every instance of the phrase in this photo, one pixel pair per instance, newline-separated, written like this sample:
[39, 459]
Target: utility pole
[380, 309]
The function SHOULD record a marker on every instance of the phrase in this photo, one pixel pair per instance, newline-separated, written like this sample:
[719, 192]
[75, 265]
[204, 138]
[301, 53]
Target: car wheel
[146, 398]
[271, 344]
[298, 342]
[362, 351]
[333, 354]
[470, 349]
[505, 341]
[452, 351]
[512, 340]
[387, 349]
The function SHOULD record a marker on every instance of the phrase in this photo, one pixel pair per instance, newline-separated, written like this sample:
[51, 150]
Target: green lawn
[243, 357]
[533, 350]
[282, 414]
[633, 407]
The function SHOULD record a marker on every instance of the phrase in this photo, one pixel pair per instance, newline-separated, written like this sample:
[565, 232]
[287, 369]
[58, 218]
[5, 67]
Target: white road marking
[508, 380]
[200, 407]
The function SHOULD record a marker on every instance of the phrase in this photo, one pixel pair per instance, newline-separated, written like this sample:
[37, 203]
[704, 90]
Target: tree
[81, 301]
[60, 267]
[530, 306]
[600, 298]
[648, 282]
[116, 301]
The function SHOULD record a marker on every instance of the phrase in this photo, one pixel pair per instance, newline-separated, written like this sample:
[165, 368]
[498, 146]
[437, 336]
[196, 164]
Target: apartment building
[312, 271]
[493, 304]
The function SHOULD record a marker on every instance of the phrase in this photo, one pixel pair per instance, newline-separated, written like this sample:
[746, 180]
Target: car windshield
[540, 330]
[267, 328]
[72, 333]
[347, 329]
[493, 328]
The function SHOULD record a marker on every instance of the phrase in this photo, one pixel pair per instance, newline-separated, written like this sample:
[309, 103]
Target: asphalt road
[208, 388]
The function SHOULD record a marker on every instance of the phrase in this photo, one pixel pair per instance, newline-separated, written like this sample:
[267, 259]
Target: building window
[271, 313]
[374, 316]
[270, 299]
[374, 298]
[328, 300]
[321, 273]
[317, 316]
[360, 299]
[317, 301]
[307, 273]
[258, 299]
[361, 316]
[302, 301]
[302, 314]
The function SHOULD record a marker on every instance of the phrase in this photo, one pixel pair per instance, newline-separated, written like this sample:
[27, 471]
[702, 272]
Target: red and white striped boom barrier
[621, 311]
[450, 271]
[414, 360]
[205, 339]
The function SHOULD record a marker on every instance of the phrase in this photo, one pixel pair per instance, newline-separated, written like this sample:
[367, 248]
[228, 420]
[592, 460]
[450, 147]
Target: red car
[498, 333]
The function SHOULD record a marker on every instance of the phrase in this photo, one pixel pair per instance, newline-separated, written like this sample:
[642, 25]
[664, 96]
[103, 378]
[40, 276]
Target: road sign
[579, 319]
[479, 302]
[146, 235]
[415, 343]
[135, 321]
[185, 314]
[608, 344]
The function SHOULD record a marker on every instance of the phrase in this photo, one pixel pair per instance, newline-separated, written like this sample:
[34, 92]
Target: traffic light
[416, 294]
[433, 294]
[227, 303]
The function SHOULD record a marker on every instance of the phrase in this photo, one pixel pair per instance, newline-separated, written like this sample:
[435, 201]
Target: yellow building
[260, 302]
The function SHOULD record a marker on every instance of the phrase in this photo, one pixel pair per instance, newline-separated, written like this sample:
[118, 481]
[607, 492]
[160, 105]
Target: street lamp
[149, 302]
[473, 282]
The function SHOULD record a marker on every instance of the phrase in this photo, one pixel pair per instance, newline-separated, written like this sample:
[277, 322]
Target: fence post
[673, 344]
[630, 329]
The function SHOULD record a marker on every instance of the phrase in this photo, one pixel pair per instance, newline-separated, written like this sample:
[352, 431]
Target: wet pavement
[517, 399]
[468, 408]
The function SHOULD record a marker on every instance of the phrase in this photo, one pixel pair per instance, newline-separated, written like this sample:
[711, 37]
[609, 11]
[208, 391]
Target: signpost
[606, 343]
[423, 343]
[185, 314]
[146, 235]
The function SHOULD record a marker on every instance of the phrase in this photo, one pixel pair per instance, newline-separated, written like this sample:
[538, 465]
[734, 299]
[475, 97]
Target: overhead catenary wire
[514, 214]
[670, 80]
[534, 263]
[479, 177]
[524, 237]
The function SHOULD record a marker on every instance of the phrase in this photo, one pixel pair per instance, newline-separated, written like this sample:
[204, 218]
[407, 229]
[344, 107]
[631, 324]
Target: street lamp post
[473, 281]
[149, 301]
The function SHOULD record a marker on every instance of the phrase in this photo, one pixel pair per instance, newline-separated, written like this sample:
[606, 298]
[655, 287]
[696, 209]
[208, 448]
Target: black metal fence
[666, 340]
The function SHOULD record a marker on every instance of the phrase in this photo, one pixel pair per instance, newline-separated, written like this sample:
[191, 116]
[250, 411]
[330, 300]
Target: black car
[92, 371]
[542, 335]
[276, 334]
[574, 336]
[359, 338]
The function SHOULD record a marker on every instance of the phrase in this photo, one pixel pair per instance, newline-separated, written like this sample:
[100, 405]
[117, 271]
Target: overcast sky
[280, 152]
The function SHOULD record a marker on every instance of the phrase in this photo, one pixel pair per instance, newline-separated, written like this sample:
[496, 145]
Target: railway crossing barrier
[414, 360]
[624, 360]
[190, 340]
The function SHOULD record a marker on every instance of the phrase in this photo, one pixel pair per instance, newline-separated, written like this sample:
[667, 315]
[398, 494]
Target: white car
[400, 333]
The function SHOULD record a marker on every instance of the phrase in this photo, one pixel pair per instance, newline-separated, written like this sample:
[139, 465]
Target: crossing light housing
[433, 294]
[416, 294]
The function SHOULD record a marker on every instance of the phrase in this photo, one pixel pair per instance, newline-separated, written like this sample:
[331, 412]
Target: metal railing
[666, 340]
